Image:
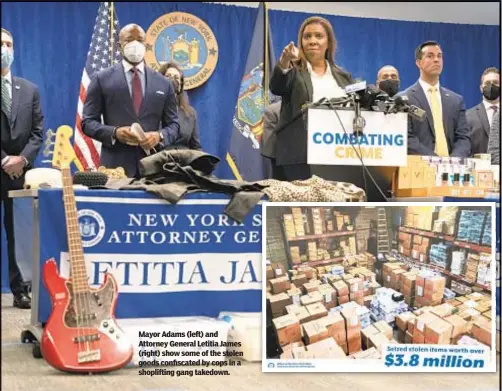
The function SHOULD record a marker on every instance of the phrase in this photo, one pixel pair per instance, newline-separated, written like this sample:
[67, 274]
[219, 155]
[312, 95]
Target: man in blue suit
[126, 93]
[21, 135]
[445, 132]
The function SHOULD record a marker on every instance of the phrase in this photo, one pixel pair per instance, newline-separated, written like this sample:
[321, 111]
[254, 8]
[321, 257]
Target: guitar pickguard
[93, 306]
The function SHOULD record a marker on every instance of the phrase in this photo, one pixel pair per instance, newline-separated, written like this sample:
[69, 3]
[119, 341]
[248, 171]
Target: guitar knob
[111, 330]
[105, 324]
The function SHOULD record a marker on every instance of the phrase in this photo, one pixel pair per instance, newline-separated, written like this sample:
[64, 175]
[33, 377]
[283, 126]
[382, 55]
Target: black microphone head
[401, 100]
[370, 95]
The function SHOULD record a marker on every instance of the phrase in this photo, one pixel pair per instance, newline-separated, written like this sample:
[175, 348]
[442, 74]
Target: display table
[188, 259]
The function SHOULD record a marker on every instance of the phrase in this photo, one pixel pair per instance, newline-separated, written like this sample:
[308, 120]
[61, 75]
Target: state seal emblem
[186, 40]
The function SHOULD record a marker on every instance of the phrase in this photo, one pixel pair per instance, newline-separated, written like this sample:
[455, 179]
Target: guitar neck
[78, 270]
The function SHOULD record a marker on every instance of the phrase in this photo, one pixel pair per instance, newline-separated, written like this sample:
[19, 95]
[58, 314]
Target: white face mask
[134, 51]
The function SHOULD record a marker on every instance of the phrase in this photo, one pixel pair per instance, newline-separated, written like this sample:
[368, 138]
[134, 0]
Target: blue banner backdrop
[187, 259]
[51, 40]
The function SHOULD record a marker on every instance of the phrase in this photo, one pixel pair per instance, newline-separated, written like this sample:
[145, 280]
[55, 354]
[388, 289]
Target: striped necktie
[6, 99]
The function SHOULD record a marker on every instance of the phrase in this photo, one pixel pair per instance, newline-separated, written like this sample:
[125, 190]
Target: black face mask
[491, 91]
[391, 87]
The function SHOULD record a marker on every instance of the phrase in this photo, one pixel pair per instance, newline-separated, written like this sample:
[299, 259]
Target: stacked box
[470, 226]
[378, 341]
[335, 325]
[312, 251]
[295, 255]
[438, 332]
[419, 326]
[299, 221]
[327, 348]
[288, 329]
[278, 304]
[486, 240]
[459, 327]
[294, 293]
[458, 259]
[318, 220]
[289, 226]
[460, 289]
[402, 321]
[370, 259]
[364, 316]
[280, 285]
[448, 214]
[370, 354]
[384, 328]
[471, 272]
[270, 272]
[383, 307]
[482, 331]
[408, 287]
[311, 286]
[329, 295]
[311, 298]
[299, 280]
[353, 330]
[342, 292]
[356, 290]
[287, 350]
[309, 272]
[337, 270]
[448, 294]
[314, 331]
[316, 310]
[429, 289]
[279, 269]
[301, 313]
[484, 276]
[387, 271]
[440, 254]
[405, 244]
[395, 279]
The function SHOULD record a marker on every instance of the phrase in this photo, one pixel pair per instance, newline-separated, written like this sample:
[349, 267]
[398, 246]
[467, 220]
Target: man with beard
[480, 117]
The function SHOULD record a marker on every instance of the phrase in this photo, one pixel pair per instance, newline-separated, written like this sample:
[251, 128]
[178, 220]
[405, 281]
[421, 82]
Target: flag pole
[266, 57]
[112, 37]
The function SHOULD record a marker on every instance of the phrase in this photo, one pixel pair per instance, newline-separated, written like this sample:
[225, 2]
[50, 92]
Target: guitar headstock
[63, 150]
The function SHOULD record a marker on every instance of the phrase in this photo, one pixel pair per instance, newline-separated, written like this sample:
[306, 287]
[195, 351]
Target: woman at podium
[303, 75]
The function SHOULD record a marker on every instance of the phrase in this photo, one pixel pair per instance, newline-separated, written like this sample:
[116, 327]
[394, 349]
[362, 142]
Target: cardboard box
[408, 338]
[288, 329]
[278, 304]
[443, 310]
[316, 310]
[343, 299]
[366, 333]
[299, 280]
[351, 318]
[327, 348]
[384, 328]
[301, 313]
[279, 285]
[378, 341]
[354, 345]
[341, 288]
[279, 269]
[403, 319]
[420, 325]
[482, 330]
[459, 326]
[270, 272]
[314, 331]
[367, 301]
[438, 332]
[287, 350]
[335, 324]
[329, 295]
[311, 298]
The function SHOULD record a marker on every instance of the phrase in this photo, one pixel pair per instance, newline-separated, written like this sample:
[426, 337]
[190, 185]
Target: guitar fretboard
[78, 270]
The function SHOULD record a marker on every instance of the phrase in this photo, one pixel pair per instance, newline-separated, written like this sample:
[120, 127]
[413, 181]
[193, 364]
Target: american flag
[103, 53]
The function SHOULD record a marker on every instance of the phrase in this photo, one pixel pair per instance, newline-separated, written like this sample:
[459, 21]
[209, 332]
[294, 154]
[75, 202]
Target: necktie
[437, 116]
[137, 90]
[6, 99]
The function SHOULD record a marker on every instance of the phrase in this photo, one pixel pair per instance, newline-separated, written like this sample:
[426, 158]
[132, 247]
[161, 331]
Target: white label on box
[327, 298]
[420, 291]
[388, 278]
[354, 321]
[278, 272]
[353, 288]
[296, 299]
[420, 325]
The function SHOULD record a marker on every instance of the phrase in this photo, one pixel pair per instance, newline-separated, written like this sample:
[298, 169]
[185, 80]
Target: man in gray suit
[21, 136]
[445, 131]
[126, 93]
[270, 120]
[481, 116]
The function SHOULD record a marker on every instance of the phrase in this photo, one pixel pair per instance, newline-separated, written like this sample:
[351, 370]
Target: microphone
[400, 104]
[357, 92]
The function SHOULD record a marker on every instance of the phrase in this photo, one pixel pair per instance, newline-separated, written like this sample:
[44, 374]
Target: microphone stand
[359, 122]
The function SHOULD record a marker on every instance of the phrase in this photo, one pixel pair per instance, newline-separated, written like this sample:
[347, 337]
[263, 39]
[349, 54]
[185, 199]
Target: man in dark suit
[445, 131]
[21, 135]
[480, 117]
[126, 93]
[270, 120]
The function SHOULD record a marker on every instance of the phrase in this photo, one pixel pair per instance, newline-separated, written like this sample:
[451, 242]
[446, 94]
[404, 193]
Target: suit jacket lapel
[16, 95]
[422, 99]
[445, 108]
[123, 86]
[483, 117]
[308, 84]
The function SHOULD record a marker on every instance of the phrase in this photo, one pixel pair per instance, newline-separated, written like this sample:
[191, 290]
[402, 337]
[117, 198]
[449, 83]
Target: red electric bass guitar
[81, 334]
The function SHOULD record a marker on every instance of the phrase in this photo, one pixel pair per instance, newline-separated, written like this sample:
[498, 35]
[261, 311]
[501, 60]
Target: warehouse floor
[21, 372]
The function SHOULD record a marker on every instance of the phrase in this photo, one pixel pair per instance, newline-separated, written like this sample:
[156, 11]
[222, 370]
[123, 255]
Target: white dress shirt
[489, 110]
[324, 86]
[7, 77]
[425, 86]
